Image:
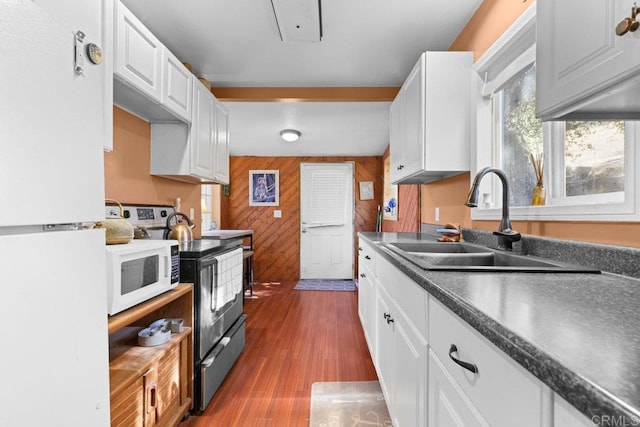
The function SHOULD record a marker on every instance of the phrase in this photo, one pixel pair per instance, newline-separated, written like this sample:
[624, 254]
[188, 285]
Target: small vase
[539, 195]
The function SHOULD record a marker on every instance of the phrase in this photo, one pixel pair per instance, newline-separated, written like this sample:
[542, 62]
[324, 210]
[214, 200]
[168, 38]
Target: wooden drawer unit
[128, 406]
[501, 390]
[151, 386]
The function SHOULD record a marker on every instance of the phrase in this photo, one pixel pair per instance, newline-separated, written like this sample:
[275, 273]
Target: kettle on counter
[117, 229]
[179, 231]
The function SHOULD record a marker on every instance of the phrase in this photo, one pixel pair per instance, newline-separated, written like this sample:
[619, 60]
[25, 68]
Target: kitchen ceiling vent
[299, 21]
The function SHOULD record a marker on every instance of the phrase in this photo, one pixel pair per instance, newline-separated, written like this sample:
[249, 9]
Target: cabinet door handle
[466, 365]
[389, 320]
[152, 397]
[359, 249]
[362, 275]
[367, 257]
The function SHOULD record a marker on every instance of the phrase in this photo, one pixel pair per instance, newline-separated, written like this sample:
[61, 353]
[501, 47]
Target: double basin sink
[458, 256]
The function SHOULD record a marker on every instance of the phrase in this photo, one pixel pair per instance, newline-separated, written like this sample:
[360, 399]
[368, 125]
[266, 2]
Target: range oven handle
[206, 363]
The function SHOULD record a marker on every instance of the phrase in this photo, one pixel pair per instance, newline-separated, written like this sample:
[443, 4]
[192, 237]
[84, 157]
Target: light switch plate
[277, 213]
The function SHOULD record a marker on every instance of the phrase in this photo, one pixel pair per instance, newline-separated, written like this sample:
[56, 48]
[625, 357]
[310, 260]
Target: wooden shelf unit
[152, 386]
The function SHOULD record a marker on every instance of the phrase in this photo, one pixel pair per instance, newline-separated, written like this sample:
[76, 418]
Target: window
[518, 135]
[592, 161]
[587, 168]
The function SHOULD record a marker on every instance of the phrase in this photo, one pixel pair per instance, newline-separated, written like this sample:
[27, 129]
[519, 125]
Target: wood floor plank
[293, 339]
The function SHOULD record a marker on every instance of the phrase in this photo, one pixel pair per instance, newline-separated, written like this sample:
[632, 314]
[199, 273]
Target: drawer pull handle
[362, 275]
[367, 257]
[388, 318]
[466, 365]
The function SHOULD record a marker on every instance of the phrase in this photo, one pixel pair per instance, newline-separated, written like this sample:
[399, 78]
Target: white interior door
[326, 221]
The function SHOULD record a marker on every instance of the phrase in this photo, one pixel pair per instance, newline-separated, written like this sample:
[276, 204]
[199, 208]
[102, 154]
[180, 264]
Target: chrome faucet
[506, 235]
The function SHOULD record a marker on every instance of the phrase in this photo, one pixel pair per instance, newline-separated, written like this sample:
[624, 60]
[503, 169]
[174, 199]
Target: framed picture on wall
[264, 188]
[390, 193]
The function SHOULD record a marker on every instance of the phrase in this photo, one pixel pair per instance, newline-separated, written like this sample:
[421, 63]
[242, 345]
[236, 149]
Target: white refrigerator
[54, 368]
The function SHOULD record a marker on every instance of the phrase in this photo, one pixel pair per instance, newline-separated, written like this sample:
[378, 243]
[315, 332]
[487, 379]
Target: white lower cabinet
[385, 350]
[565, 415]
[367, 293]
[501, 390]
[401, 345]
[448, 406]
[425, 355]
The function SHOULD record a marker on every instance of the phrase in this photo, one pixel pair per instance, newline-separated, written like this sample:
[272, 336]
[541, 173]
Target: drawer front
[366, 256]
[216, 366]
[501, 390]
[410, 299]
[448, 406]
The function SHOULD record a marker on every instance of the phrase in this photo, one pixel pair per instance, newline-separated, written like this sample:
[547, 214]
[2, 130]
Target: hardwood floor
[293, 339]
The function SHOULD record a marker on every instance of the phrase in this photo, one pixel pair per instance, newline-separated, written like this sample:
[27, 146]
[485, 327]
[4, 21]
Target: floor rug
[348, 404]
[325, 285]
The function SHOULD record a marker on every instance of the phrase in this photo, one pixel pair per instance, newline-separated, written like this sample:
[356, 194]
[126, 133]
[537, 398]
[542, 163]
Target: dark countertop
[203, 247]
[226, 234]
[577, 333]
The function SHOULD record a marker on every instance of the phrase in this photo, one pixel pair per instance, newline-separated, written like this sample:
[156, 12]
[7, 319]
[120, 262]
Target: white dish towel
[228, 277]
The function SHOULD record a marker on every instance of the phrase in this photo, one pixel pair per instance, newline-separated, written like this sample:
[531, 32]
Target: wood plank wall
[408, 208]
[277, 240]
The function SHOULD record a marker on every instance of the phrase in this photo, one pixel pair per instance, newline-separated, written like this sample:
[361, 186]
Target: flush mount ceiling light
[290, 135]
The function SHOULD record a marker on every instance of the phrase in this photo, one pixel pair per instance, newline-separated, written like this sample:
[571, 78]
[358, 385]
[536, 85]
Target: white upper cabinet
[584, 70]
[162, 84]
[138, 54]
[201, 141]
[176, 86]
[221, 158]
[196, 153]
[430, 119]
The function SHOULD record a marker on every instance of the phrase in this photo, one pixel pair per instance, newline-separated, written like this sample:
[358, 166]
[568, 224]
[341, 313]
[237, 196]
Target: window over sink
[587, 168]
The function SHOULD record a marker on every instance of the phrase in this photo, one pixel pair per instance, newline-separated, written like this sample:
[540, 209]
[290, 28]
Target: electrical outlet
[277, 214]
[192, 214]
[437, 214]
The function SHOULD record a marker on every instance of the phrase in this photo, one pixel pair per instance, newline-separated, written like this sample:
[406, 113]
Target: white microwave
[139, 270]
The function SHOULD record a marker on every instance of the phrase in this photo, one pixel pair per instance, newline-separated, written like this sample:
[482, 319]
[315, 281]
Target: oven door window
[138, 273]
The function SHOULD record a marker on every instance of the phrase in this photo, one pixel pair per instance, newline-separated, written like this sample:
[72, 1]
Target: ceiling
[236, 43]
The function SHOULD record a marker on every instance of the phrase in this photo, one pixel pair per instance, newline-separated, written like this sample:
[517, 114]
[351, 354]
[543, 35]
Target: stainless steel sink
[471, 257]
